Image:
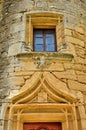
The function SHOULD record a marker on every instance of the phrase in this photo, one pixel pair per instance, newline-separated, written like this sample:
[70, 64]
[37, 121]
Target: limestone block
[84, 96]
[17, 69]
[21, 73]
[80, 51]
[80, 29]
[16, 37]
[76, 85]
[56, 66]
[77, 67]
[82, 78]
[84, 125]
[74, 40]
[58, 83]
[13, 93]
[15, 49]
[3, 81]
[16, 81]
[28, 65]
[80, 73]
[78, 35]
[84, 68]
[27, 77]
[79, 60]
[72, 49]
[67, 65]
[69, 74]
[9, 69]
[25, 5]
[16, 87]
[16, 28]
[68, 32]
[31, 82]
[3, 76]
[85, 61]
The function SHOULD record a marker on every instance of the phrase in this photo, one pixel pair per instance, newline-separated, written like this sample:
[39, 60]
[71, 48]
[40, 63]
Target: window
[44, 32]
[44, 40]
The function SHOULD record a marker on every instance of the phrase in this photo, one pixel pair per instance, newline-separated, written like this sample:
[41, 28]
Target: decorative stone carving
[42, 96]
[27, 47]
[64, 48]
[41, 62]
[44, 59]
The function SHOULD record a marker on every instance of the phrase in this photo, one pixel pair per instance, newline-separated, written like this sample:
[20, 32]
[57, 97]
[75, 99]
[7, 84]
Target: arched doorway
[41, 102]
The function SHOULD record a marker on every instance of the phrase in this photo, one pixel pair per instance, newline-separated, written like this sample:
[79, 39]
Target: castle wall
[16, 74]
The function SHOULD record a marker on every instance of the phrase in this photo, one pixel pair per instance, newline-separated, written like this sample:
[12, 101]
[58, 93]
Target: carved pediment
[43, 87]
[43, 98]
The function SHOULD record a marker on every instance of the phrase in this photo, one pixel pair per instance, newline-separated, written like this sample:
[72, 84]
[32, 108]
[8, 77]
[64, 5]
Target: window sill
[44, 59]
[64, 56]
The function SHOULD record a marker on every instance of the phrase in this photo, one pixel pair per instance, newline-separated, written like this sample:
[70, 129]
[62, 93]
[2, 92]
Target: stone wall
[15, 73]
[13, 32]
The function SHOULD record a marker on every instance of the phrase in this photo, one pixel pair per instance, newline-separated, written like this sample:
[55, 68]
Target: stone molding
[43, 59]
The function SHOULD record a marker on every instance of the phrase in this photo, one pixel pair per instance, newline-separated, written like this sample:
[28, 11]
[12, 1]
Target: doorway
[42, 126]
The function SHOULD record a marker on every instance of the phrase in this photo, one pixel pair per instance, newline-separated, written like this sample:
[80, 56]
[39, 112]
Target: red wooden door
[42, 126]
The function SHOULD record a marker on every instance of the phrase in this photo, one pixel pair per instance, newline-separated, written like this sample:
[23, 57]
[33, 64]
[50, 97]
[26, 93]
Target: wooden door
[42, 126]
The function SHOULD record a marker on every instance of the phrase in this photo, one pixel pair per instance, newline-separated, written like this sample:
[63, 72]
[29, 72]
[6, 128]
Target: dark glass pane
[38, 33]
[49, 35]
[38, 40]
[38, 48]
[49, 40]
[44, 40]
[50, 47]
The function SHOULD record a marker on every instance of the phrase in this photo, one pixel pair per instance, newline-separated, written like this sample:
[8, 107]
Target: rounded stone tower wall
[20, 65]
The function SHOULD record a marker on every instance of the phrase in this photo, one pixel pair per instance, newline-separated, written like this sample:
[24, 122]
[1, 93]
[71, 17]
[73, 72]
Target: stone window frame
[43, 59]
[47, 21]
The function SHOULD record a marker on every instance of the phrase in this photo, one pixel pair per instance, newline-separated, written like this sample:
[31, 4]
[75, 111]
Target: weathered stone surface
[76, 86]
[79, 60]
[28, 66]
[13, 93]
[78, 66]
[82, 78]
[69, 74]
[18, 75]
[15, 49]
[30, 82]
[68, 32]
[16, 81]
[60, 85]
[80, 29]
[76, 41]
[21, 73]
[56, 66]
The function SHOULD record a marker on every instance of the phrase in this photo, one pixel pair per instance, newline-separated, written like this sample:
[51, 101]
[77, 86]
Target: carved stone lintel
[44, 59]
[41, 62]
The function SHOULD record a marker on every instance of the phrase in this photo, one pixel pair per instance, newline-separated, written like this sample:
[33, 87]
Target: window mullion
[44, 33]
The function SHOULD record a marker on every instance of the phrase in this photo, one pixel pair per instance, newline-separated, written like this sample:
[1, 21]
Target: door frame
[16, 120]
[42, 126]
[41, 118]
